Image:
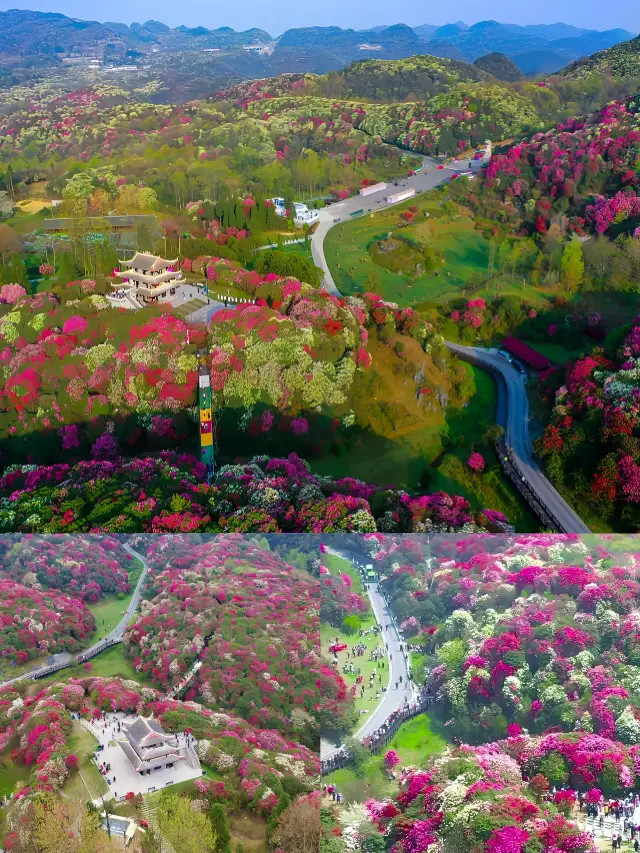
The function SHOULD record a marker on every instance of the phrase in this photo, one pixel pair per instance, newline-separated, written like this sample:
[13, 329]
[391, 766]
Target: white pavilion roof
[148, 263]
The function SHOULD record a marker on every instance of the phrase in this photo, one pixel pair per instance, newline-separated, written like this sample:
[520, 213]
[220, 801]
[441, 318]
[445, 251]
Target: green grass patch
[111, 662]
[10, 774]
[374, 458]
[302, 249]
[82, 743]
[218, 290]
[466, 255]
[328, 634]
[414, 742]
[108, 612]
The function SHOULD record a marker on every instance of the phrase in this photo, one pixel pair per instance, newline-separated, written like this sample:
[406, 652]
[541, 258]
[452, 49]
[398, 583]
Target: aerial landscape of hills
[31, 38]
[319, 437]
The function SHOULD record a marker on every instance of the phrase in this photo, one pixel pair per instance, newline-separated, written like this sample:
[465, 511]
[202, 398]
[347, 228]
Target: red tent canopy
[525, 353]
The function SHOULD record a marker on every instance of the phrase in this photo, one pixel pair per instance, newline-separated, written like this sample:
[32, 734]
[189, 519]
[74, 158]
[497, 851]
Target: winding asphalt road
[393, 699]
[65, 659]
[515, 405]
[118, 632]
[513, 416]
[427, 178]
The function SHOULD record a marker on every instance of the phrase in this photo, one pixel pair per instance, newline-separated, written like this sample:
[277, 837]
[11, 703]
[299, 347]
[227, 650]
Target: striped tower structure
[207, 454]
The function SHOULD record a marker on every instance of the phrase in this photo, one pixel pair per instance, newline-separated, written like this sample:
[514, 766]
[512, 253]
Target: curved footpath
[392, 700]
[117, 633]
[65, 659]
[513, 408]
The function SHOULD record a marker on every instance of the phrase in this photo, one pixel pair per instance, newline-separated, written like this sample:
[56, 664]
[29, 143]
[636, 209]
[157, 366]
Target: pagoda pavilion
[149, 278]
[148, 747]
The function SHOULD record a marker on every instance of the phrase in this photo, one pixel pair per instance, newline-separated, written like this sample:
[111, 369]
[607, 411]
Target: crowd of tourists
[385, 731]
[382, 734]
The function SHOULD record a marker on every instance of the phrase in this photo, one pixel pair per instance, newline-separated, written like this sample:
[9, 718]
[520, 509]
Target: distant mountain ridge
[555, 44]
[34, 40]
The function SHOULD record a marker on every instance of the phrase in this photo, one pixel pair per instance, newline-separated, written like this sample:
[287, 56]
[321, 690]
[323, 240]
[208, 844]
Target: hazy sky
[359, 14]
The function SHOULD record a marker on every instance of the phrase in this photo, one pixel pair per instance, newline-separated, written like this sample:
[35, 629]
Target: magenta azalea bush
[474, 799]
[85, 566]
[248, 761]
[168, 493]
[598, 406]
[582, 170]
[262, 659]
[34, 622]
[67, 364]
[531, 632]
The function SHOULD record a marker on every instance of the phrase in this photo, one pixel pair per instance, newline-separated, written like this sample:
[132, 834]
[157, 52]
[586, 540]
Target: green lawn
[465, 252]
[10, 775]
[298, 249]
[108, 612]
[328, 635]
[414, 742]
[111, 662]
[82, 743]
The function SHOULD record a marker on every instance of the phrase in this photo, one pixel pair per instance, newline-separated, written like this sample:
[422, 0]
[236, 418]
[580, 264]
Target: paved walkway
[393, 699]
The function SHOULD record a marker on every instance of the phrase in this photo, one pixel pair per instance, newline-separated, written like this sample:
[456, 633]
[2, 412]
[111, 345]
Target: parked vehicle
[401, 196]
[373, 188]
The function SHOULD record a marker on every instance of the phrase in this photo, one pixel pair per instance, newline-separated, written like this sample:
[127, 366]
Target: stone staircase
[149, 814]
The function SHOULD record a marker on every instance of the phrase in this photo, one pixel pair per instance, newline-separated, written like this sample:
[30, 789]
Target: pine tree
[16, 272]
[572, 265]
[67, 270]
[221, 828]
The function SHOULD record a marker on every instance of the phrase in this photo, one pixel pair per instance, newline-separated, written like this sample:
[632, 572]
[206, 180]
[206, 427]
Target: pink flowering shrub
[122, 495]
[476, 462]
[12, 293]
[598, 404]
[580, 170]
[391, 759]
[506, 817]
[528, 581]
[60, 367]
[33, 622]
[249, 594]
[83, 566]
